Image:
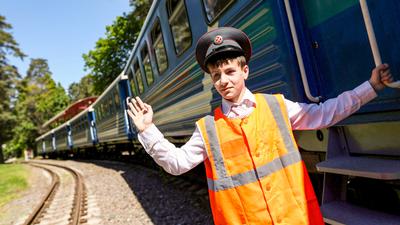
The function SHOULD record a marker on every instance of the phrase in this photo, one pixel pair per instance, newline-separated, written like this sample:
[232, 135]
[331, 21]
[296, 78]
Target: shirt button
[268, 187]
[279, 219]
[245, 121]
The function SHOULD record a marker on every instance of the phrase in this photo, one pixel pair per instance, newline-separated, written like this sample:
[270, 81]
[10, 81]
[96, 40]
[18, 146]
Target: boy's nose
[224, 79]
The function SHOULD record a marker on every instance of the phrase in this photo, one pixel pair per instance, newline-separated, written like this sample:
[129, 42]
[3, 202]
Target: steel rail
[33, 218]
[78, 207]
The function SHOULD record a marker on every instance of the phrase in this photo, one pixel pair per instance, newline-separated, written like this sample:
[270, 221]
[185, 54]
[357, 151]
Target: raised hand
[141, 113]
[379, 76]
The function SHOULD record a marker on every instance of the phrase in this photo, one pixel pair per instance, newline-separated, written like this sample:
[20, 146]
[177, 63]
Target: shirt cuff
[149, 137]
[365, 92]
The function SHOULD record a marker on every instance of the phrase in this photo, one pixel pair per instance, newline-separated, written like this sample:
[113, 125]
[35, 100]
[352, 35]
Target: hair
[226, 58]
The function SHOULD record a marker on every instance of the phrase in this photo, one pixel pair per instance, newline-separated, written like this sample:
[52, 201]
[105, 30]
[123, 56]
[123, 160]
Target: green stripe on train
[319, 11]
[259, 25]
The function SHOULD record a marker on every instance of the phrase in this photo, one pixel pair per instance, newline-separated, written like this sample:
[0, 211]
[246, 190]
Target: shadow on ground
[165, 198]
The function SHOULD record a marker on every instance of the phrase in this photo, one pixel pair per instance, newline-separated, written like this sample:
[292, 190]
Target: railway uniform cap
[219, 41]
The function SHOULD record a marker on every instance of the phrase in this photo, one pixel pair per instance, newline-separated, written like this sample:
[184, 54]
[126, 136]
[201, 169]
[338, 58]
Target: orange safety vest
[254, 170]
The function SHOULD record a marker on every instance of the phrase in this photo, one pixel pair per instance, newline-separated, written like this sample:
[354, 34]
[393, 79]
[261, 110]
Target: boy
[254, 171]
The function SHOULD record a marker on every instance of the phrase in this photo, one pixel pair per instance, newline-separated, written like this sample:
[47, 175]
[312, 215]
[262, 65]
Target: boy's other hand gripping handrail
[372, 40]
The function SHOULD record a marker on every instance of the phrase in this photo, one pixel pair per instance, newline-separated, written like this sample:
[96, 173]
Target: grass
[13, 180]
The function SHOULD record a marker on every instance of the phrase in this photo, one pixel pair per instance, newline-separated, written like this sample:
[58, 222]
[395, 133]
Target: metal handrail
[372, 40]
[298, 54]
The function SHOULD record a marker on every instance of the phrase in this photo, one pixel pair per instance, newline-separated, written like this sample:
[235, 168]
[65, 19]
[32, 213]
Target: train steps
[337, 168]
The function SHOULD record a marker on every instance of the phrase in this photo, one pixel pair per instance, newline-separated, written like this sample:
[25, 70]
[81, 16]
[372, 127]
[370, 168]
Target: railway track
[65, 201]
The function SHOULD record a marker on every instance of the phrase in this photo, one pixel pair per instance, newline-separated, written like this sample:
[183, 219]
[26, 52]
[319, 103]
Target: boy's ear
[246, 71]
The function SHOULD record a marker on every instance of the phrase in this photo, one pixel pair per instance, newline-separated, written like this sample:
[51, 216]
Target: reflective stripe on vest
[226, 182]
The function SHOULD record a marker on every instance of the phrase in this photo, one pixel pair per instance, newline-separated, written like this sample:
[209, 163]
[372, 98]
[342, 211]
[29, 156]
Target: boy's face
[229, 80]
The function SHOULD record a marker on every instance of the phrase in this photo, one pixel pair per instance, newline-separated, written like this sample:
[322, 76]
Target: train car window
[214, 8]
[105, 108]
[98, 113]
[147, 66]
[110, 105]
[132, 82]
[179, 23]
[116, 99]
[101, 110]
[159, 47]
[138, 76]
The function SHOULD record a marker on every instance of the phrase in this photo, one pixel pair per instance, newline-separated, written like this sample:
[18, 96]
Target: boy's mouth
[227, 88]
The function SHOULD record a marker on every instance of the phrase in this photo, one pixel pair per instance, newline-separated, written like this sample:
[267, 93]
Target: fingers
[383, 66]
[141, 104]
[385, 74]
[378, 69]
[132, 108]
[128, 101]
[131, 114]
[387, 80]
[136, 105]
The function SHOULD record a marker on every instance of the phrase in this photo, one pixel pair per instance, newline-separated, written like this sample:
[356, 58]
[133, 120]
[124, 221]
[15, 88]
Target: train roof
[61, 126]
[71, 110]
[142, 31]
[90, 108]
[121, 76]
[44, 135]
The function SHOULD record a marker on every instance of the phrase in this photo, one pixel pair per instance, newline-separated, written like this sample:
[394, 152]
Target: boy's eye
[230, 71]
[216, 76]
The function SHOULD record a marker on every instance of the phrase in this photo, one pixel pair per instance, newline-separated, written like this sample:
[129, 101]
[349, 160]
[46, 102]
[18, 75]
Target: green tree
[82, 89]
[111, 53]
[39, 99]
[8, 77]
[141, 8]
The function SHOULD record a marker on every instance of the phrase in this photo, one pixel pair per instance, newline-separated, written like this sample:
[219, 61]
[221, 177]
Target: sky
[59, 31]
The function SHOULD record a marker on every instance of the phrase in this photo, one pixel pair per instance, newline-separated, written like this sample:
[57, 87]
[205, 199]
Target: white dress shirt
[302, 116]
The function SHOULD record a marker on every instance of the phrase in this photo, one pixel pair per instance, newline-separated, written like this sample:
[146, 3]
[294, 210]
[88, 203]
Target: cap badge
[218, 40]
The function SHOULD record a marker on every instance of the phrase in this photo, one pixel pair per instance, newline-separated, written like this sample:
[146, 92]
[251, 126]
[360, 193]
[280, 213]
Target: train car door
[336, 40]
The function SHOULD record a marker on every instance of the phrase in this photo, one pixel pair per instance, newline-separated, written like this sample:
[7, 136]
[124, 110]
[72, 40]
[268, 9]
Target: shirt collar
[248, 100]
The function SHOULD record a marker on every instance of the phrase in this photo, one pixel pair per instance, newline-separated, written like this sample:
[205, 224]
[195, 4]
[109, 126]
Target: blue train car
[80, 130]
[48, 142]
[110, 117]
[61, 137]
